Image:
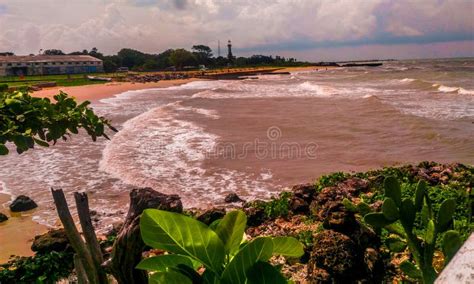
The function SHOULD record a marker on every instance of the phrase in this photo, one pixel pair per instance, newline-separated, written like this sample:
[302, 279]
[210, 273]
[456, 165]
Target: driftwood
[80, 272]
[128, 247]
[74, 237]
[82, 204]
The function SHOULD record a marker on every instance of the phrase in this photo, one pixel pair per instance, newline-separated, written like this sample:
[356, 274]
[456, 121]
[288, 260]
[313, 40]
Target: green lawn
[61, 80]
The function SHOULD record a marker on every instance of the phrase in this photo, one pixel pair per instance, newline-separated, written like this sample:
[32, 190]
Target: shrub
[398, 217]
[27, 120]
[191, 244]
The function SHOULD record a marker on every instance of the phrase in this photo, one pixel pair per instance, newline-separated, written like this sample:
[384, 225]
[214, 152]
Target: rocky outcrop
[211, 215]
[3, 217]
[54, 240]
[302, 197]
[22, 203]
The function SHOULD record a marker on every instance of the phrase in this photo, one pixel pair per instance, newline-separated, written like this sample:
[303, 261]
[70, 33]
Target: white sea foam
[159, 150]
[407, 80]
[459, 90]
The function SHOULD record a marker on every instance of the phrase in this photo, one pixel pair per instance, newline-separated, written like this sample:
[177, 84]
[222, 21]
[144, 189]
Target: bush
[218, 248]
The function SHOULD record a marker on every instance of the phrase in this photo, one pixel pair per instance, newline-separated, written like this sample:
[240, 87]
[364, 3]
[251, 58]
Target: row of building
[49, 65]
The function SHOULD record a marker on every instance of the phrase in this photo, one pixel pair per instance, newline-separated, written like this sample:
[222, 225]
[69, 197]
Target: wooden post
[82, 204]
[80, 273]
[74, 237]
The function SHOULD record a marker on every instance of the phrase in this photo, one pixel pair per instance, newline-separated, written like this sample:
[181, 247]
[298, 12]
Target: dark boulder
[255, 212]
[211, 215]
[233, 197]
[54, 240]
[334, 252]
[301, 199]
[3, 217]
[337, 218]
[22, 203]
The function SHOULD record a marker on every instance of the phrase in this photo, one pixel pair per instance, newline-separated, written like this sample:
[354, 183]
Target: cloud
[3, 9]
[254, 26]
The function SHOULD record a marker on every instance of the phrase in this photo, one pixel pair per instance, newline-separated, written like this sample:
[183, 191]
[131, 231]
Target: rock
[3, 217]
[299, 205]
[255, 213]
[304, 191]
[336, 254]
[232, 197]
[339, 219]
[22, 203]
[318, 276]
[301, 199]
[211, 215]
[54, 240]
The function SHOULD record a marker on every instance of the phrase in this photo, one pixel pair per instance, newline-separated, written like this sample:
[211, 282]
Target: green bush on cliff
[218, 248]
[27, 120]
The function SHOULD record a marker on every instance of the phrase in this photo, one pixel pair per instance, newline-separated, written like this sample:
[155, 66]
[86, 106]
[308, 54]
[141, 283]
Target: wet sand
[17, 233]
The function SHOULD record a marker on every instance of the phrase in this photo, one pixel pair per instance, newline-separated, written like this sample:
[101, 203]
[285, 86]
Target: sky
[314, 30]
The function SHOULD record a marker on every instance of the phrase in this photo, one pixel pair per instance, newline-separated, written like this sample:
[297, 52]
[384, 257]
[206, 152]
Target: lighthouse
[229, 51]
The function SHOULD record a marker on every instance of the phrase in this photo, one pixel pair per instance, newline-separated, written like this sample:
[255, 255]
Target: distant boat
[96, 78]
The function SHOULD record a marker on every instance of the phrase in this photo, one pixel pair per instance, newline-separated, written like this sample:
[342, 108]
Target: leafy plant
[219, 248]
[26, 120]
[42, 268]
[398, 217]
[330, 180]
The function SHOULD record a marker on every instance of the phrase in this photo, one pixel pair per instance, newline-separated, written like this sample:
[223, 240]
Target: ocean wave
[314, 89]
[407, 80]
[448, 89]
[157, 149]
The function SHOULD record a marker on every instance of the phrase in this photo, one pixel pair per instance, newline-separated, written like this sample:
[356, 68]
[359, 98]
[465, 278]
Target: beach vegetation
[28, 121]
[219, 250]
[47, 267]
[398, 217]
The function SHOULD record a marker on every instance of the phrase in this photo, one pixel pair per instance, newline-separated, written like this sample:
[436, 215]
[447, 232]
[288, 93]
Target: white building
[49, 65]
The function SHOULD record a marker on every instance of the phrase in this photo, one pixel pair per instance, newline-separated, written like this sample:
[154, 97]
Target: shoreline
[23, 224]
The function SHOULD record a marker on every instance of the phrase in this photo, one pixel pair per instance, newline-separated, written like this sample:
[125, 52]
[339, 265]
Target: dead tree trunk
[74, 237]
[82, 204]
[128, 248]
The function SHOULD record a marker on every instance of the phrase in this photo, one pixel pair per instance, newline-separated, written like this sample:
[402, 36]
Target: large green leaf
[410, 270]
[407, 213]
[264, 273]
[445, 214]
[451, 244]
[377, 220]
[392, 189]
[169, 277]
[259, 249]
[231, 230]
[287, 246]
[181, 234]
[430, 233]
[419, 194]
[163, 262]
[390, 209]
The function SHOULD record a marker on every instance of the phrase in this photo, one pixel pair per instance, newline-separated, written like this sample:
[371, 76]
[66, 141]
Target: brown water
[203, 140]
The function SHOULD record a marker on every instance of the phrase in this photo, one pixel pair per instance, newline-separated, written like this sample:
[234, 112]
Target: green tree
[181, 57]
[203, 53]
[27, 121]
[53, 52]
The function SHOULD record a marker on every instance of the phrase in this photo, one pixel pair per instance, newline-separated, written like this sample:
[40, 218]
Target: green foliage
[330, 180]
[220, 250]
[3, 87]
[27, 120]
[421, 246]
[41, 268]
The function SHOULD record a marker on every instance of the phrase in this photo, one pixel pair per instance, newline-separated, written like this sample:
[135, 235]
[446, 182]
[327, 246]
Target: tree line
[179, 59]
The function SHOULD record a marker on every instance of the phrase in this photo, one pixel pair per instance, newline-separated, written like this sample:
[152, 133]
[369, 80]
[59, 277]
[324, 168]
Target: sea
[255, 137]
